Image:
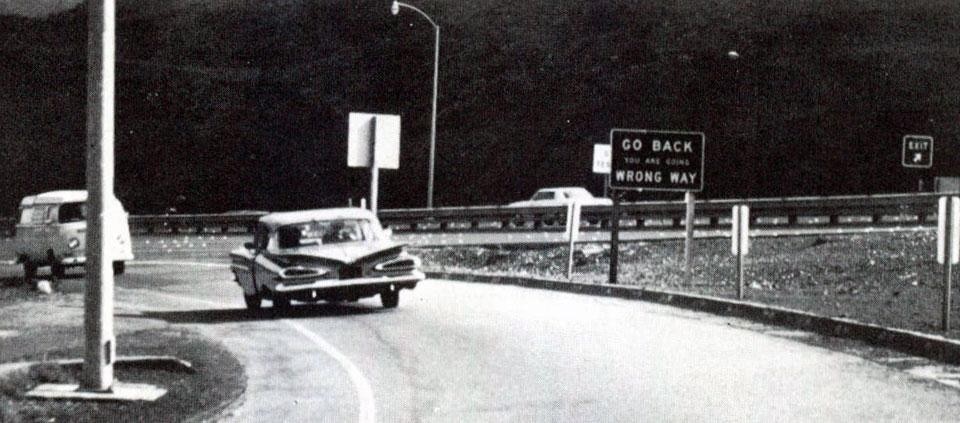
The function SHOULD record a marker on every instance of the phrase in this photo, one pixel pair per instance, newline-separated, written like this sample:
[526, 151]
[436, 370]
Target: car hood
[347, 252]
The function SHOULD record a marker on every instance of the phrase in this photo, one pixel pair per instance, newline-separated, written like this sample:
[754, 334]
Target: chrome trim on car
[401, 263]
[300, 272]
[415, 276]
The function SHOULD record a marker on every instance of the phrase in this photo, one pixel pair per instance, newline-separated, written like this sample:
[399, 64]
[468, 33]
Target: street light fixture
[395, 9]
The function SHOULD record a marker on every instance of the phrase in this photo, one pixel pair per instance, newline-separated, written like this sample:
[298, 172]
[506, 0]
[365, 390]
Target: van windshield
[34, 215]
[73, 212]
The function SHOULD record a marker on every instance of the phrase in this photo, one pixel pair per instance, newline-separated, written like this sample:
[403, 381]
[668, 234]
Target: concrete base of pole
[119, 392]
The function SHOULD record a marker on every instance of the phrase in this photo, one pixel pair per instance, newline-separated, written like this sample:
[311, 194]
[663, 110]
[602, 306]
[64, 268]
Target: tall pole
[395, 9]
[98, 296]
[433, 118]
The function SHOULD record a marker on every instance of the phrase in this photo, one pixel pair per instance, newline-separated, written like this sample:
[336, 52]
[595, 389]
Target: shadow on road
[242, 314]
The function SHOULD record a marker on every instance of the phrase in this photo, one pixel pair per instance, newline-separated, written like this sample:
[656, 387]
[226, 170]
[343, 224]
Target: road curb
[934, 347]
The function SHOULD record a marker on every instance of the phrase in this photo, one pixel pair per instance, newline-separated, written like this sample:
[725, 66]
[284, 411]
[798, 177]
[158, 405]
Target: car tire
[390, 299]
[118, 268]
[29, 271]
[253, 301]
[281, 303]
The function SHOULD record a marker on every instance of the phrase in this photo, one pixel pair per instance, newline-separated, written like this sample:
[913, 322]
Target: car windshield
[543, 195]
[320, 232]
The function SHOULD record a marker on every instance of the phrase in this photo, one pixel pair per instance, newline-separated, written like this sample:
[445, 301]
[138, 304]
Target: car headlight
[73, 243]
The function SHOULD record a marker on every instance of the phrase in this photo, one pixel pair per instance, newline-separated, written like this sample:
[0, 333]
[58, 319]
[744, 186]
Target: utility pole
[98, 295]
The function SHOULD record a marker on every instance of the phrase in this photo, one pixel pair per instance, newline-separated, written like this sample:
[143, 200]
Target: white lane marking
[368, 409]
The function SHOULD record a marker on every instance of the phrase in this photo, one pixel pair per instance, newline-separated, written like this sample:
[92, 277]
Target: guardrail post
[714, 222]
[834, 219]
[639, 222]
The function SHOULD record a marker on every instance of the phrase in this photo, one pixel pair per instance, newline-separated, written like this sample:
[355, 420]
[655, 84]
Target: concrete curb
[915, 343]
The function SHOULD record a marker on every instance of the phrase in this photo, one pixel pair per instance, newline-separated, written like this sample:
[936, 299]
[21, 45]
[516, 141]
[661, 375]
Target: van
[51, 231]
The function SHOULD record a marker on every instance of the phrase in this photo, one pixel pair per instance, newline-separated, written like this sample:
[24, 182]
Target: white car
[562, 196]
[52, 232]
[555, 197]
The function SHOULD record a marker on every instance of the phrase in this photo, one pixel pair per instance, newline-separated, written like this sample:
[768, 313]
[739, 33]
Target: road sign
[918, 151]
[656, 160]
[601, 158]
[740, 230]
[386, 131]
[948, 230]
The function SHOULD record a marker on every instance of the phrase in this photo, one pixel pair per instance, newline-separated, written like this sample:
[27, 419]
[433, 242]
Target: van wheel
[58, 270]
[118, 268]
[29, 271]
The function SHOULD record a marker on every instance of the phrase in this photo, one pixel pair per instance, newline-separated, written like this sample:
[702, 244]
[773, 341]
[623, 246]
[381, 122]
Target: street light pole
[395, 9]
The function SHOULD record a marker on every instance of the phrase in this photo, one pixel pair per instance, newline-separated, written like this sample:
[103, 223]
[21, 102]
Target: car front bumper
[293, 285]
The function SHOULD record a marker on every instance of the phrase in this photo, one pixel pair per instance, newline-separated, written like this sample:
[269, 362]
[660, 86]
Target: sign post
[740, 242]
[655, 160]
[614, 236]
[690, 199]
[373, 141]
[573, 231]
[948, 248]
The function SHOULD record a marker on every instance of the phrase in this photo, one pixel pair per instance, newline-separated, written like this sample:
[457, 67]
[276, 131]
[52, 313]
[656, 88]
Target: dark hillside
[243, 105]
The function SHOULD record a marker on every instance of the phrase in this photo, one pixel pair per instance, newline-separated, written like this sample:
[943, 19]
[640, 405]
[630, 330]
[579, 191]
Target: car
[51, 231]
[339, 254]
[558, 196]
[562, 196]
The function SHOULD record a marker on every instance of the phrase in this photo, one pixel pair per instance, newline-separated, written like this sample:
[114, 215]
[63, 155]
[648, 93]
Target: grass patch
[889, 279]
[217, 381]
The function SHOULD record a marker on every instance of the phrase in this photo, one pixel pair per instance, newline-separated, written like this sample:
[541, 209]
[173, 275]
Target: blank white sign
[387, 133]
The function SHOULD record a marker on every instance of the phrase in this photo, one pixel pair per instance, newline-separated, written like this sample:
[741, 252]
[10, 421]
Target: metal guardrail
[870, 210]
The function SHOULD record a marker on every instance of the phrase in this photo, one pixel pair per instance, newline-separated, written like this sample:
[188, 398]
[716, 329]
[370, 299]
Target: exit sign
[918, 151]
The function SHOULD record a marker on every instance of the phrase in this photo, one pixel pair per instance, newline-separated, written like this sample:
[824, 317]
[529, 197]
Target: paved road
[456, 351]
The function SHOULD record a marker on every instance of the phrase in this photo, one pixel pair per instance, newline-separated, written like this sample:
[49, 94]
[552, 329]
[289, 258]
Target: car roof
[562, 189]
[55, 197]
[300, 216]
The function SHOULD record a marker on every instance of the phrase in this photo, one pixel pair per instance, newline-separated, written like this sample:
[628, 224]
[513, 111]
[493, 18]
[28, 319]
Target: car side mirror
[248, 245]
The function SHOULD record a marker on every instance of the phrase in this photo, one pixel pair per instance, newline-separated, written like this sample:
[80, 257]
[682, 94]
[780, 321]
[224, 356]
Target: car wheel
[253, 301]
[58, 270]
[118, 268]
[281, 303]
[390, 299]
[29, 271]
